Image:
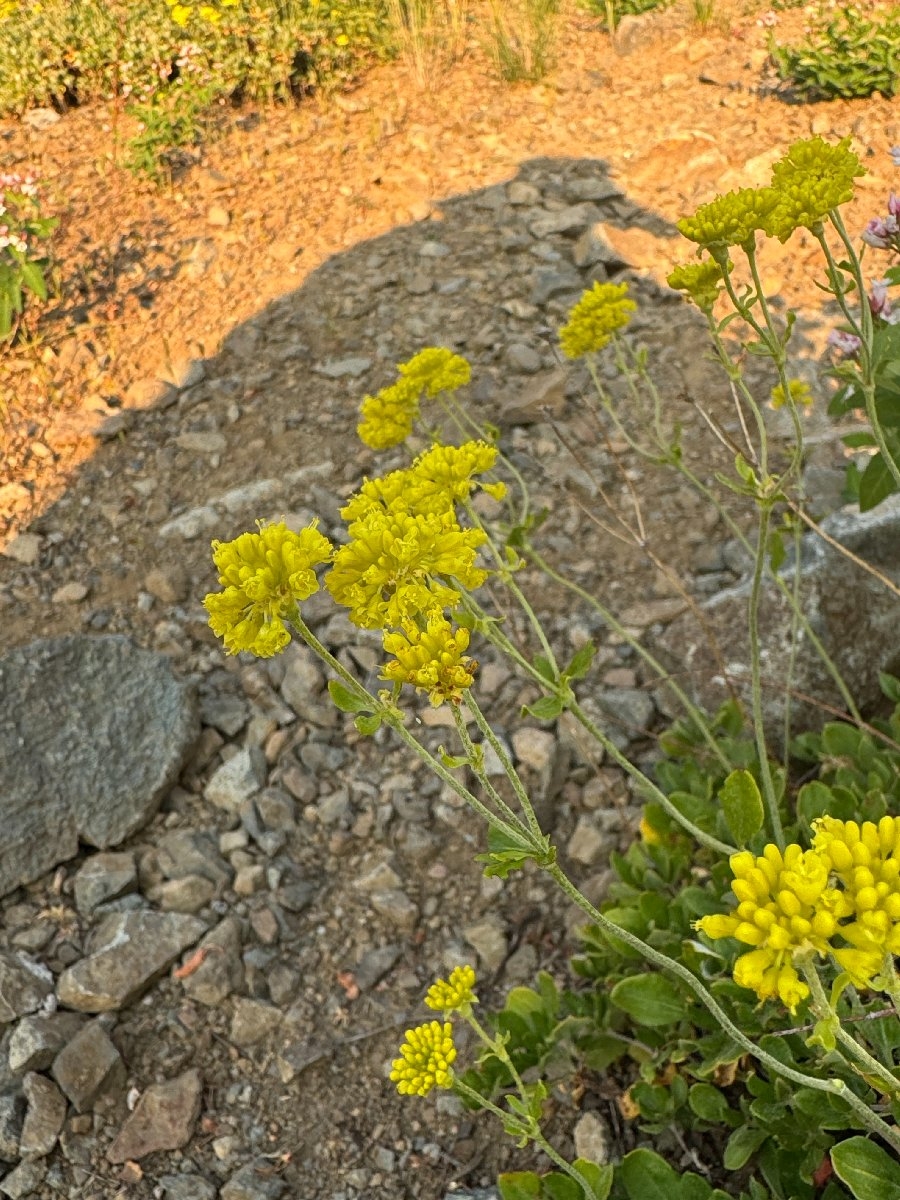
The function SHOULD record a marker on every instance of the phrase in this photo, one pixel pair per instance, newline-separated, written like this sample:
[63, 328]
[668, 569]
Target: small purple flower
[879, 301]
[894, 206]
[877, 234]
[846, 343]
[894, 152]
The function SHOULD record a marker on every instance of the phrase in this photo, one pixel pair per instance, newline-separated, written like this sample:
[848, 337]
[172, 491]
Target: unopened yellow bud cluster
[389, 416]
[840, 899]
[428, 1052]
[810, 181]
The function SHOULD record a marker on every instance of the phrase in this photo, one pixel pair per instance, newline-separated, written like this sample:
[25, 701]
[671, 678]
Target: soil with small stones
[202, 368]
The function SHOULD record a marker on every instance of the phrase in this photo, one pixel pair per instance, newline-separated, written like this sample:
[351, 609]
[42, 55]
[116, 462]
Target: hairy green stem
[472, 755]
[505, 762]
[821, 1006]
[759, 732]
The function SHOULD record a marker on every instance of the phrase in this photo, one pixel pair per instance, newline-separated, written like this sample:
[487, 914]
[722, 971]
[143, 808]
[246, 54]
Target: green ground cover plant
[853, 55]
[741, 972]
[612, 11]
[23, 262]
[56, 53]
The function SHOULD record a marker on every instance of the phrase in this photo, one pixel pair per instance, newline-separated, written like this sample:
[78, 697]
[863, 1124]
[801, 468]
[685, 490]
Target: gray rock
[567, 220]
[104, 877]
[186, 895]
[163, 1119]
[12, 1117]
[253, 1182]
[343, 368]
[524, 359]
[25, 1180]
[519, 192]
[24, 986]
[187, 1187]
[36, 1041]
[628, 709]
[587, 843]
[93, 732]
[128, 951]
[488, 939]
[237, 779]
[396, 908]
[598, 189]
[525, 404]
[252, 1021]
[89, 1068]
[185, 852]
[374, 965]
[221, 970]
[208, 442]
[840, 601]
[228, 714]
[44, 1118]
[548, 283]
[592, 1138]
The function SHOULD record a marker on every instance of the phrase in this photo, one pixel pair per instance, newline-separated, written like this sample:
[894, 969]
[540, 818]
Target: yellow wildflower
[799, 390]
[432, 660]
[454, 994]
[866, 862]
[264, 575]
[388, 417]
[780, 913]
[812, 179]
[434, 370]
[181, 14]
[426, 1058]
[400, 565]
[648, 833]
[438, 478]
[701, 281]
[597, 315]
[210, 14]
[729, 220]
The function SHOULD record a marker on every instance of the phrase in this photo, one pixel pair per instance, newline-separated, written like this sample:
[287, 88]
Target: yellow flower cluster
[432, 659]
[811, 180]
[426, 1058]
[799, 390]
[595, 318]
[702, 281]
[264, 575]
[454, 994]
[387, 418]
[841, 898]
[400, 566]
[182, 13]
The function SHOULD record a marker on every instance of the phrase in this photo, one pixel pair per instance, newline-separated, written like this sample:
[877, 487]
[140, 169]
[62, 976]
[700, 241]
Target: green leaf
[650, 999]
[742, 806]
[646, 1176]
[369, 724]
[777, 553]
[557, 1186]
[840, 740]
[519, 1185]
[742, 1145]
[581, 662]
[890, 685]
[600, 1178]
[345, 699]
[868, 1171]
[33, 278]
[547, 708]
[876, 483]
[544, 667]
[709, 1103]
[815, 799]
[5, 312]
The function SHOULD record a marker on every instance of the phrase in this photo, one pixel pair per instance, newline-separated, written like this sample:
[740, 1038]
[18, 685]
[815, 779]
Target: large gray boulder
[93, 731]
[855, 616]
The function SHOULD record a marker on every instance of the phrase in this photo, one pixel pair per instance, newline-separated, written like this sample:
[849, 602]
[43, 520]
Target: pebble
[26, 1179]
[128, 951]
[488, 939]
[255, 1181]
[163, 1119]
[592, 1138]
[44, 1118]
[36, 1041]
[587, 844]
[70, 593]
[252, 1021]
[237, 779]
[24, 986]
[534, 748]
[344, 368]
[523, 358]
[25, 548]
[202, 443]
[187, 1187]
[104, 877]
[220, 970]
[168, 584]
[12, 1118]
[89, 1068]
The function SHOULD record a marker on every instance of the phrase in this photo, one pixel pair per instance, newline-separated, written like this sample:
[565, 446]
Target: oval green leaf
[650, 999]
[742, 806]
[868, 1171]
